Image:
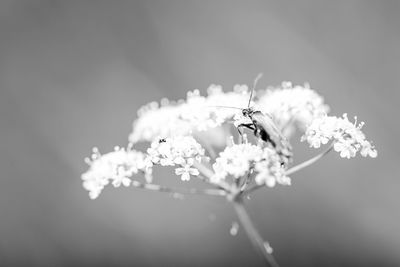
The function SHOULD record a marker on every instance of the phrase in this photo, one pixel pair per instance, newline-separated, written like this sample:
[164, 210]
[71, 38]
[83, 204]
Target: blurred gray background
[73, 74]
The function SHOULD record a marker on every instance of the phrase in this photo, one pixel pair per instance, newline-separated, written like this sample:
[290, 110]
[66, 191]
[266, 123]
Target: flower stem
[183, 191]
[208, 174]
[292, 170]
[209, 148]
[252, 233]
[308, 162]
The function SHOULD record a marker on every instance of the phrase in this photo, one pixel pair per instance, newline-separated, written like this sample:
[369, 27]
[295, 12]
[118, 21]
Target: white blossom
[116, 167]
[155, 120]
[347, 137]
[270, 170]
[182, 151]
[292, 105]
[186, 170]
[172, 129]
[196, 113]
[238, 160]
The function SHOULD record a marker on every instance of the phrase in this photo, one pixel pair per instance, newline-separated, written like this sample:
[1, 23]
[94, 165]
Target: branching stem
[308, 162]
[184, 191]
[294, 168]
[252, 233]
[208, 174]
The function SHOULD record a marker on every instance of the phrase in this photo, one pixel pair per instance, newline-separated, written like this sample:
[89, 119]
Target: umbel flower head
[182, 151]
[292, 106]
[196, 113]
[183, 135]
[172, 129]
[347, 137]
[114, 167]
[238, 160]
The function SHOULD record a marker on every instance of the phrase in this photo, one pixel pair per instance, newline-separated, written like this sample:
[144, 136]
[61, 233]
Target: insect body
[265, 128]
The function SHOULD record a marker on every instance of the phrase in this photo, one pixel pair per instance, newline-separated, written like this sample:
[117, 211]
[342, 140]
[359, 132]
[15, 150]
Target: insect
[264, 127]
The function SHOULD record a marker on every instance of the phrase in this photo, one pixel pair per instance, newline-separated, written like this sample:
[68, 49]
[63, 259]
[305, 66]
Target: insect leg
[246, 125]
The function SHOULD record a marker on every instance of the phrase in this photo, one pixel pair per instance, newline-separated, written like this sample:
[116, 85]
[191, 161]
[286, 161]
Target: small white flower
[121, 180]
[174, 150]
[185, 171]
[368, 150]
[235, 160]
[196, 113]
[154, 120]
[180, 151]
[116, 167]
[238, 160]
[171, 128]
[347, 137]
[265, 177]
[346, 148]
[290, 106]
[271, 170]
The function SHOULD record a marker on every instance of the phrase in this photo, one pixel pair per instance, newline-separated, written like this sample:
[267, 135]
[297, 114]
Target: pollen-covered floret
[181, 151]
[238, 160]
[347, 136]
[116, 167]
[292, 105]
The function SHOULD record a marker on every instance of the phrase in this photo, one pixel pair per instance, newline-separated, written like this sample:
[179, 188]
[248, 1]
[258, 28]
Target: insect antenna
[223, 107]
[254, 86]
[251, 94]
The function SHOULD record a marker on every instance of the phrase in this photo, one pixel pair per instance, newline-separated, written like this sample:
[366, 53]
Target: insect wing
[271, 131]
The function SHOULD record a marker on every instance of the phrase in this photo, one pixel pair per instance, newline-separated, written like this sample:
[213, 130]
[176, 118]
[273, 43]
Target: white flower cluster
[172, 127]
[241, 159]
[197, 113]
[116, 167]
[155, 120]
[347, 137]
[292, 105]
[182, 151]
